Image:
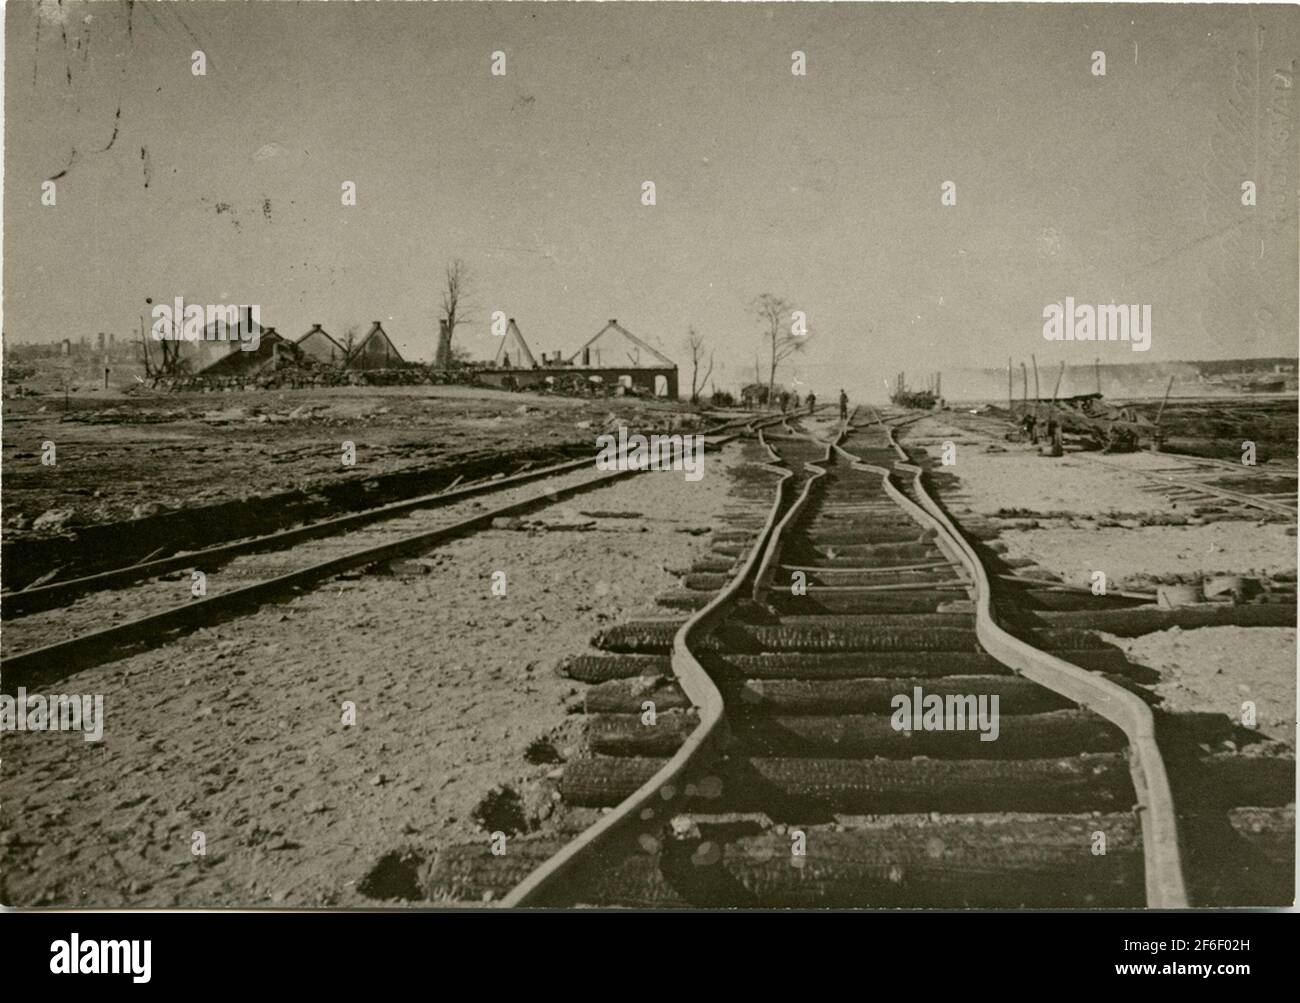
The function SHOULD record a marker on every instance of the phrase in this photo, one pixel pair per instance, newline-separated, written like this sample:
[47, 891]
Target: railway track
[56, 593]
[1184, 484]
[53, 593]
[756, 755]
[63, 627]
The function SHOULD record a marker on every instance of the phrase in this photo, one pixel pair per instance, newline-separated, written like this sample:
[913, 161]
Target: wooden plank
[1019, 736]
[786, 787]
[949, 862]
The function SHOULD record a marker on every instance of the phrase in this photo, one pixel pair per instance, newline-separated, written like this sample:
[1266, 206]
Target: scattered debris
[542, 751]
[502, 810]
[396, 875]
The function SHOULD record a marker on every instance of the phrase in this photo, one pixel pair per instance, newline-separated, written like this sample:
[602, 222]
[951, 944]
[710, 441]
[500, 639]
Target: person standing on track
[812, 402]
[844, 405]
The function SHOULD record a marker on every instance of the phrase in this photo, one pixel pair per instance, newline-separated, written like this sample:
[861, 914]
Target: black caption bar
[138, 952]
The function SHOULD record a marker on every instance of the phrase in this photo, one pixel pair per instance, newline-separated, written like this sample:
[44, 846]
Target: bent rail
[704, 696]
[1165, 882]
[772, 552]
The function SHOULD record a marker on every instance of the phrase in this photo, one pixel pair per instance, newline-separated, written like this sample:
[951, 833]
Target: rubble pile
[297, 377]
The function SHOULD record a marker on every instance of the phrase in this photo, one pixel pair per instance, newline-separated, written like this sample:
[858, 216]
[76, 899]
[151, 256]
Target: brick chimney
[443, 358]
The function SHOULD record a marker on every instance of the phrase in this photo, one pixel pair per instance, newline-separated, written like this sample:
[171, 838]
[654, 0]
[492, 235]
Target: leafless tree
[171, 357]
[779, 341]
[351, 339]
[455, 298]
[170, 348]
[695, 345]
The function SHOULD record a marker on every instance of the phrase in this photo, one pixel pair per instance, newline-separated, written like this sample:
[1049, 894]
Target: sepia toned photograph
[648, 456]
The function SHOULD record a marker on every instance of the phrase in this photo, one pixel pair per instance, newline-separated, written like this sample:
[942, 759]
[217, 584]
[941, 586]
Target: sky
[822, 189]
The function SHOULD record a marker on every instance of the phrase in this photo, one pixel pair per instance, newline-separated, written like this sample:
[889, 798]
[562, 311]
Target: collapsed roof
[614, 346]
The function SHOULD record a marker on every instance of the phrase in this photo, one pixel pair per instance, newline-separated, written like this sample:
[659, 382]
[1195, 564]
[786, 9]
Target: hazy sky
[823, 189]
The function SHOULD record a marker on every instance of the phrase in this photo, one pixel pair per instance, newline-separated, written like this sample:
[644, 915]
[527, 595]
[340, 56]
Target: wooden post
[1097, 363]
[1024, 378]
[1165, 401]
[1011, 392]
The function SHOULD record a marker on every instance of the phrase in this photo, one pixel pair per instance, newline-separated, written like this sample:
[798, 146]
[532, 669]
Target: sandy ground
[1072, 498]
[1132, 557]
[1075, 502]
[1217, 669]
[1013, 477]
[236, 731]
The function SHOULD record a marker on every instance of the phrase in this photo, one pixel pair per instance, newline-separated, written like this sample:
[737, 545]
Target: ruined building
[513, 352]
[219, 351]
[272, 350]
[317, 344]
[613, 357]
[376, 351]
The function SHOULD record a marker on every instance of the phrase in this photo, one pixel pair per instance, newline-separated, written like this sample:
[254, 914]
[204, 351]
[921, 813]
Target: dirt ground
[1133, 557]
[126, 457]
[1217, 669]
[1077, 506]
[236, 731]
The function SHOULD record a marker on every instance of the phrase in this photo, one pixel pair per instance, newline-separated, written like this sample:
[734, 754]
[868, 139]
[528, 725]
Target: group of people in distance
[790, 400]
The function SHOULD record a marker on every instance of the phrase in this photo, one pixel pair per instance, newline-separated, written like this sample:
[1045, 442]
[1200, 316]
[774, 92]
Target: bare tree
[778, 338]
[171, 357]
[455, 296]
[170, 348]
[695, 345]
[351, 340]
